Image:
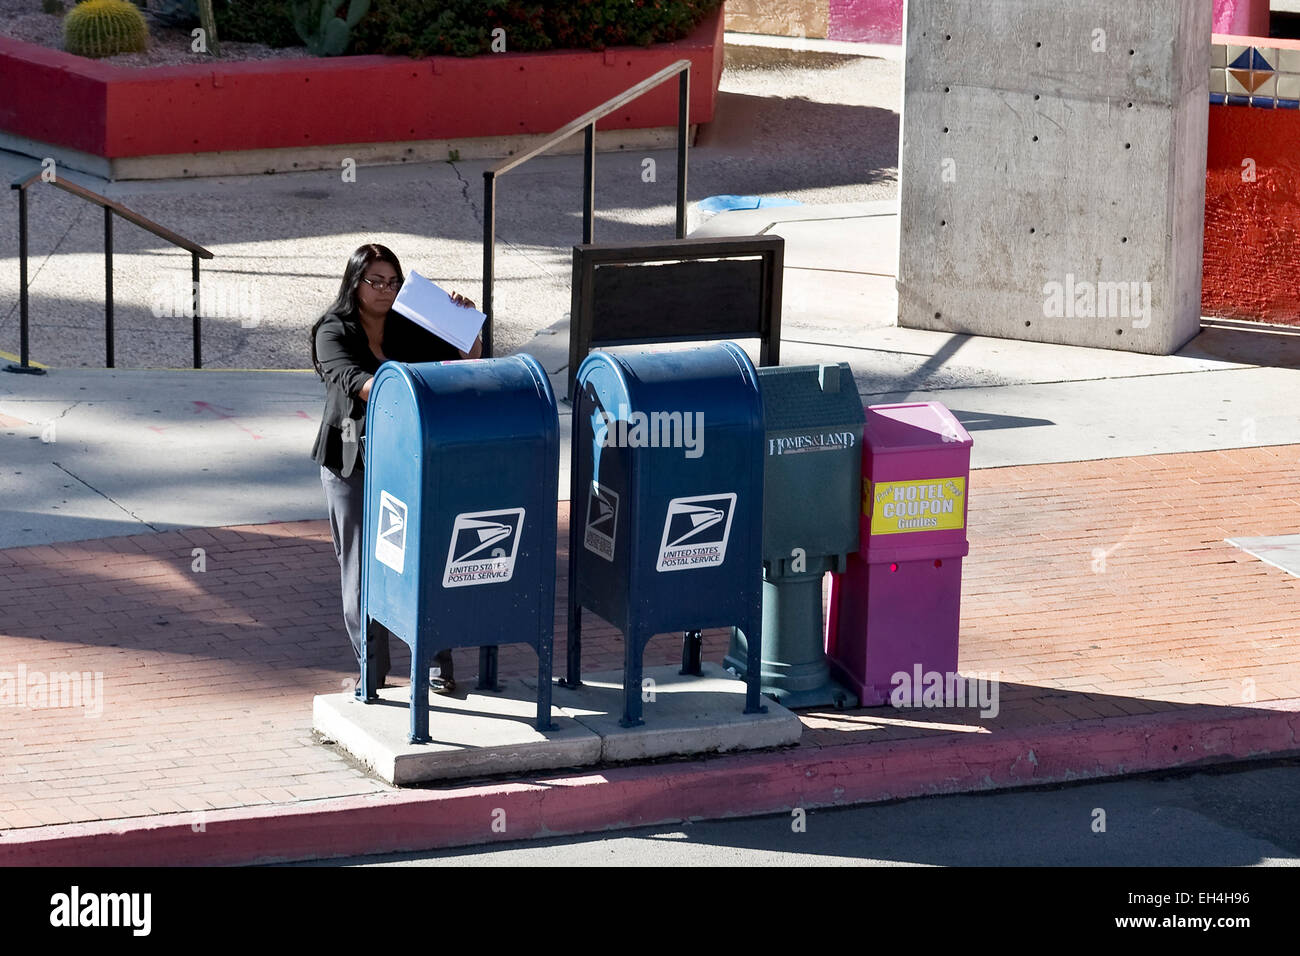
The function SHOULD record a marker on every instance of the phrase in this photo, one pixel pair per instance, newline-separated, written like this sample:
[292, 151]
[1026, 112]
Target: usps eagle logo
[390, 538]
[483, 547]
[696, 530]
[602, 521]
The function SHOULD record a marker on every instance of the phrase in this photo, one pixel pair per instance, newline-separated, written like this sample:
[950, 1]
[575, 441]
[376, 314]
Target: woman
[348, 343]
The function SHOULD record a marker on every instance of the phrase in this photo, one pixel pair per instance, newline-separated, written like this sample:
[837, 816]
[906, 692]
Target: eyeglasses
[379, 285]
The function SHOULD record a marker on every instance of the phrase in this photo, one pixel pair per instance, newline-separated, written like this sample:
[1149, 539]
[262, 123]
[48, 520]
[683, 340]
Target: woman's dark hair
[345, 303]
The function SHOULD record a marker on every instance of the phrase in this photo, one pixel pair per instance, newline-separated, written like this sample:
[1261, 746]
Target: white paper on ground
[429, 307]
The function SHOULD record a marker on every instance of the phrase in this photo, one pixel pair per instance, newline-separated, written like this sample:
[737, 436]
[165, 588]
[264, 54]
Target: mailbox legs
[545, 649]
[363, 689]
[692, 648]
[634, 642]
[573, 676]
[487, 668]
[367, 690]
[754, 662]
[419, 693]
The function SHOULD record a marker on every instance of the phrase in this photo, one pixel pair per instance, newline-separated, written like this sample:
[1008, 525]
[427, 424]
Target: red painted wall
[37, 87]
[116, 111]
[1252, 228]
[1241, 17]
[866, 21]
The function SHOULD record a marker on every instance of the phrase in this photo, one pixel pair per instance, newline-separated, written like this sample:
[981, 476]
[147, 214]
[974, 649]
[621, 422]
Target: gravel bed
[168, 46]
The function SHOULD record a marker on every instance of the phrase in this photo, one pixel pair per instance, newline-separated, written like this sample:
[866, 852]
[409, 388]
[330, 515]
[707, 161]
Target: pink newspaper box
[897, 605]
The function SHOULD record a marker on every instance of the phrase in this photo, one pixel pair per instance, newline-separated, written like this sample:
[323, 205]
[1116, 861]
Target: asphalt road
[1243, 815]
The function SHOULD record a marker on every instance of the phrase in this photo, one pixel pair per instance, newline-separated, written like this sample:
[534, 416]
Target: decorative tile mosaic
[1263, 76]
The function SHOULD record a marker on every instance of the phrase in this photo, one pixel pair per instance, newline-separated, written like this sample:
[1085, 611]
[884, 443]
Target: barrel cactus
[105, 28]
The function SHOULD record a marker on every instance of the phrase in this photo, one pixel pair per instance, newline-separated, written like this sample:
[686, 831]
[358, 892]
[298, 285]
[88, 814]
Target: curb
[722, 787]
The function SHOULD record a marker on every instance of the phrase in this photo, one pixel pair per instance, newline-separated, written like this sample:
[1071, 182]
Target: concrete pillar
[1052, 167]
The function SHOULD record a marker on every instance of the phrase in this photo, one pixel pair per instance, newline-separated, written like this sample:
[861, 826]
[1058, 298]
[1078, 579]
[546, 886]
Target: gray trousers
[346, 500]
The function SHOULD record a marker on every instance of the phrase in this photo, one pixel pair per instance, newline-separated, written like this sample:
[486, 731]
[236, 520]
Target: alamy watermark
[1082, 299]
[946, 689]
[629, 429]
[37, 690]
[213, 298]
[76, 908]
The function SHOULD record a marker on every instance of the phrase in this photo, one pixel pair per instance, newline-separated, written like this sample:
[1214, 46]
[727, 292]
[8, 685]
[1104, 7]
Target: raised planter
[126, 121]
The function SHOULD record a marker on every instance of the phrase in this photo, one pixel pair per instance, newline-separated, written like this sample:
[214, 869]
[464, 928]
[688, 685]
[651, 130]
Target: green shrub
[105, 28]
[605, 23]
[257, 21]
[464, 27]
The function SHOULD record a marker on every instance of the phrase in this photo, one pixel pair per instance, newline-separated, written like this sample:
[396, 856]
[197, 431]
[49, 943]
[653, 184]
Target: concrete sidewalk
[1126, 633]
[97, 453]
[163, 532]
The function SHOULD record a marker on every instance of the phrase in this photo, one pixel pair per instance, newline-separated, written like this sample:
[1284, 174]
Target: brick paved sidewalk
[1095, 589]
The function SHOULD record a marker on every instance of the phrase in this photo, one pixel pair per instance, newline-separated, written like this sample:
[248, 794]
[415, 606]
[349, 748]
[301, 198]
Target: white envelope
[431, 308]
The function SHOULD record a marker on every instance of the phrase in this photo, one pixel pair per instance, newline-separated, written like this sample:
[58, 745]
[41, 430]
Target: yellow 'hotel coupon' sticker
[932, 504]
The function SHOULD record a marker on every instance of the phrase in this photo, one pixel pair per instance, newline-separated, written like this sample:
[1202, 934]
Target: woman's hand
[365, 389]
[476, 351]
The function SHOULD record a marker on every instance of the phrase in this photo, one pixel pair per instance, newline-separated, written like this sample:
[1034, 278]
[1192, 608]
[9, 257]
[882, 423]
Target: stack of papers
[431, 308]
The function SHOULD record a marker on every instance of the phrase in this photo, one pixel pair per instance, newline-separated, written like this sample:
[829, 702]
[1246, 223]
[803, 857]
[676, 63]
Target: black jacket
[346, 362]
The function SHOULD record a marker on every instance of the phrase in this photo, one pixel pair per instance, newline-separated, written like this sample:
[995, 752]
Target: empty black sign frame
[682, 290]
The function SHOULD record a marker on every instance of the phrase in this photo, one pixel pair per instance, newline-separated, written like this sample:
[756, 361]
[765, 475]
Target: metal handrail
[197, 252]
[587, 123]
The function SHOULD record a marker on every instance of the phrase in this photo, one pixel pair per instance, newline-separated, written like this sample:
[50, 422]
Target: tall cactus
[324, 33]
[105, 28]
[209, 23]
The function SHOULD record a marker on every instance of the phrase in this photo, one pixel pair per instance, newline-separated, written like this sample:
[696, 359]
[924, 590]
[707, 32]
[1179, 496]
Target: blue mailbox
[462, 469]
[665, 523]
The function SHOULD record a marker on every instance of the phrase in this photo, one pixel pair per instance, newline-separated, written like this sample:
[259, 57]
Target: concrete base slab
[481, 734]
[687, 715]
[484, 733]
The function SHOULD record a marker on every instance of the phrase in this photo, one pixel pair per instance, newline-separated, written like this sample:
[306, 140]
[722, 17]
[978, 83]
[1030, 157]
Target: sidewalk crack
[108, 498]
[478, 218]
[464, 191]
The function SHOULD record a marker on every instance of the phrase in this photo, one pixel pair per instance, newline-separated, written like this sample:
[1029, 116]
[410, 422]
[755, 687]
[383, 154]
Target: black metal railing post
[197, 299]
[24, 364]
[589, 183]
[108, 287]
[587, 124]
[489, 254]
[683, 126]
[110, 208]
[22, 271]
